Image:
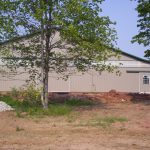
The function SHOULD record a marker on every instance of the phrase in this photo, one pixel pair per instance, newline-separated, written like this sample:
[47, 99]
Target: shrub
[32, 96]
[29, 95]
[15, 93]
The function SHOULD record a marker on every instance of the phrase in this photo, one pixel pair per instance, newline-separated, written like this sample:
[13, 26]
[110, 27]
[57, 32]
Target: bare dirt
[112, 96]
[68, 133]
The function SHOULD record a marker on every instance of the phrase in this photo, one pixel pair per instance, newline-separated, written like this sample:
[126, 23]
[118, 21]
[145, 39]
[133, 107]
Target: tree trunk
[44, 95]
[44, 70]
[45, 49]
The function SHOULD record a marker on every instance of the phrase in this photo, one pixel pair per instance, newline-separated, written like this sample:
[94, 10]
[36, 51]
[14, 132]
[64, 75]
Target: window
[145, 80]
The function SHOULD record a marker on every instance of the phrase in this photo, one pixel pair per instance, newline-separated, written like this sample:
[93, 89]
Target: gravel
[5, 107]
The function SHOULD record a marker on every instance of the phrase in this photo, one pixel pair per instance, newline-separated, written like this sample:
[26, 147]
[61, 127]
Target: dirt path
[68, 133]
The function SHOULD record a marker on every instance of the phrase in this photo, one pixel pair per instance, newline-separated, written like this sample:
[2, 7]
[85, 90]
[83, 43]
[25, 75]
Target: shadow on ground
[101, 99]
[140, 98]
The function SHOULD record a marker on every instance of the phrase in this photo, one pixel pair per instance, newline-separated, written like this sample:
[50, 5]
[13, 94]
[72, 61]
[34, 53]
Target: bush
[32, 95]
[15, 93]
[29, 95]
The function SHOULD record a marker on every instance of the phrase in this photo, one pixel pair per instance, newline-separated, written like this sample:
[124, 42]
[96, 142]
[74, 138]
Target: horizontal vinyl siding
[127, 82]
[90, 81]
[81, 83]
[7, 83]
[104, 82]
[57, 84]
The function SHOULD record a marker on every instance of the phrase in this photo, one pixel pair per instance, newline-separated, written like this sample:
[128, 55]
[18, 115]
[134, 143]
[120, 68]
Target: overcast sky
[123, 12]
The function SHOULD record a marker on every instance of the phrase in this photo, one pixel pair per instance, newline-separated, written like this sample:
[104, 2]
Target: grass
[24, 108]
[36, 110]
[104, 122]
[53, 110]
[72, 117]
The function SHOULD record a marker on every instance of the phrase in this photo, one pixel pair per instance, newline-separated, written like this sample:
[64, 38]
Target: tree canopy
[60, 34]
[143, 37]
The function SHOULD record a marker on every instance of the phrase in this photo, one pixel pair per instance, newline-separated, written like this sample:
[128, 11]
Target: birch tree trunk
[44, 72]
[44, 69]
[45, 52]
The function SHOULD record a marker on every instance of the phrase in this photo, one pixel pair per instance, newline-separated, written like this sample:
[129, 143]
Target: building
[134, 77]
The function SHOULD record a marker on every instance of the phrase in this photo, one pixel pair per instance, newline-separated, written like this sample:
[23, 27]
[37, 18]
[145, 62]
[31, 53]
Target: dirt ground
[68, 132]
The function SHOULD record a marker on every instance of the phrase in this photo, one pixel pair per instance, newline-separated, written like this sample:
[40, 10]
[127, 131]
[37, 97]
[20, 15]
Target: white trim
[121, 63]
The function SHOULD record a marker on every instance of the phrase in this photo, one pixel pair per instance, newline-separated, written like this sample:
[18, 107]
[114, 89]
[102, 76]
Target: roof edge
[135, 57]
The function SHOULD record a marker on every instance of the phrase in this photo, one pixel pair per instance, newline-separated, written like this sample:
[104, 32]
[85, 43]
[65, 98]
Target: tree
[84, 42]
[143, 37]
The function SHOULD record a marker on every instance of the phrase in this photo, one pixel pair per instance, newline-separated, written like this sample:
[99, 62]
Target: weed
[19, 129]
[72, 117]
[15, 93]
[18, 114]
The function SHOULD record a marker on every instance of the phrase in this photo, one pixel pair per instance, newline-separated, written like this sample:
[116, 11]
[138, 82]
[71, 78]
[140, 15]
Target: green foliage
[29, 95]
[15, 93]
[79, 24]
[143, 37]
[7, 26]
[32, 95]
[75, 27]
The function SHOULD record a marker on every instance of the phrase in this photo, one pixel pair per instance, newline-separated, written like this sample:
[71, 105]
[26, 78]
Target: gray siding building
[134, 77]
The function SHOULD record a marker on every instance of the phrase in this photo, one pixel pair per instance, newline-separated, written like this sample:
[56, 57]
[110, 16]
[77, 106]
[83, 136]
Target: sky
[124, 14]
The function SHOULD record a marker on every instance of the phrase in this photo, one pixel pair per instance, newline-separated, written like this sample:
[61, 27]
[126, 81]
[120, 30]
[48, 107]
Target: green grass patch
[27, 109]
[13, 103]
[104, 122]
[53, 110]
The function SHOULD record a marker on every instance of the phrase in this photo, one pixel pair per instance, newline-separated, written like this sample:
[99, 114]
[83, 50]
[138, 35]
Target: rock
[5, 107]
